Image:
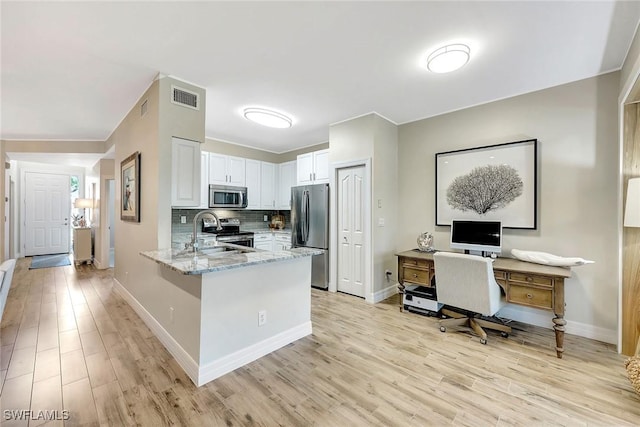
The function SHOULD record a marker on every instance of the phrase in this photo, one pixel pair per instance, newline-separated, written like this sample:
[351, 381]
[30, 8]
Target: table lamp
[83, 204]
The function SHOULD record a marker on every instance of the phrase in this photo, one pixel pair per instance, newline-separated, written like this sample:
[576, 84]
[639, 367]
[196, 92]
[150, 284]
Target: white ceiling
[72, 71]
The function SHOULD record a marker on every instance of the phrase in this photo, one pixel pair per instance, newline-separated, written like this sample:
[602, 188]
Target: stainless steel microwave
[224, 196]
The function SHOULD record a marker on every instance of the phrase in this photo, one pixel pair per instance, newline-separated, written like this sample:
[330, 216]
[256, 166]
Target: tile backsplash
[249, 219]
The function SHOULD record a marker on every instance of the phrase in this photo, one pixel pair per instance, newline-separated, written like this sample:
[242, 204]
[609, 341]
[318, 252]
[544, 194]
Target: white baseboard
[203, 374]
[384, 293]
[183, 358]
[228, 363]
[543, 319]
[97, 265]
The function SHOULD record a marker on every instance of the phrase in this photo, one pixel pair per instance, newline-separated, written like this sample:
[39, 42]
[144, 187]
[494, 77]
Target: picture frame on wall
[130, 188]
[490, 183]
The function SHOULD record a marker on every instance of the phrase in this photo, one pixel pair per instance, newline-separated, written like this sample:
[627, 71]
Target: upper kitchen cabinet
[267, 185]
[286, 180]
[204, 180]
[185, 173]
[261, 184]
[226, 170]
[313, 168]
[252, 182]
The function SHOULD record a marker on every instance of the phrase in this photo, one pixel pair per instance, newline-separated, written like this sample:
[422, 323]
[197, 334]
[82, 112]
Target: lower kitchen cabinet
[272, 241]
[263, 241]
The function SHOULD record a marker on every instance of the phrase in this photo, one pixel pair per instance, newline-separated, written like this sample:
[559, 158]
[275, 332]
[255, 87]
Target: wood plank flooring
[69, 343]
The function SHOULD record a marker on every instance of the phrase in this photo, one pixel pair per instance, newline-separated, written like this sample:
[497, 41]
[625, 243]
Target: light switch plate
[183, 219]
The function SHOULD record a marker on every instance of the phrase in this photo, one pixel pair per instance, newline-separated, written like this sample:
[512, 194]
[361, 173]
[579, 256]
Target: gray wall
[576, 126]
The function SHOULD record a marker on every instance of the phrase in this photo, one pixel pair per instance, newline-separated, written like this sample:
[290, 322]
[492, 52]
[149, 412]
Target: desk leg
[558, 321]
[558, 327]
[401, 294]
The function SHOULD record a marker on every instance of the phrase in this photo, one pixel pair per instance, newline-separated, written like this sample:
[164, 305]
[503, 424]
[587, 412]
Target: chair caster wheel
[443, 329]
[504, 335]
[483, 341]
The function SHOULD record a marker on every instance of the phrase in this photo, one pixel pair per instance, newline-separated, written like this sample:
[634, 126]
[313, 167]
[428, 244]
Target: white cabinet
[282, 242]
[252, 182]
[263, 241]
[313, 168]
[286, 180]
[267, 185]
[185, 173]
[260, 178]
[272, 241]
[82, 244]
[226, 170]
[204, 180]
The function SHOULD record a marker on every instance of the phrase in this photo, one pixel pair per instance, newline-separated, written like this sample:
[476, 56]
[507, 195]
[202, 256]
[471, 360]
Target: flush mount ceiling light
[266, 117]
[448, 58]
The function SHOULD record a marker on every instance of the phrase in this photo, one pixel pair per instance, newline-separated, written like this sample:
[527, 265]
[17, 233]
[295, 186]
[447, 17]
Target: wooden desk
[524, 283]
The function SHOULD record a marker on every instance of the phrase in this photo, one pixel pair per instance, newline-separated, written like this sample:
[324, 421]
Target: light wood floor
[70, 342]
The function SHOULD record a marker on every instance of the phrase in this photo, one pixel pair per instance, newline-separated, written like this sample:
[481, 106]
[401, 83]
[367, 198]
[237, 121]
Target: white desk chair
[467, 282]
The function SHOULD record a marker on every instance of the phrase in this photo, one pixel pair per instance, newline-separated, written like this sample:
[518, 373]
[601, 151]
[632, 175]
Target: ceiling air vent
[184, 97]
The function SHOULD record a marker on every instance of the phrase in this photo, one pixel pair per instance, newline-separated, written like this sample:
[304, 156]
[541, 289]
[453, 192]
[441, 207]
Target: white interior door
[47, 209]
[7, 214]
[351, 231]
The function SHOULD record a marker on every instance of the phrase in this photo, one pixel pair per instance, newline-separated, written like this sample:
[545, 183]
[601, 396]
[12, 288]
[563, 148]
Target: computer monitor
[476, 236]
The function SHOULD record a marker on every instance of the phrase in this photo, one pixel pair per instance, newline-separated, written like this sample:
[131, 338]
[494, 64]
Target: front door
[351, 231]
[47, 209]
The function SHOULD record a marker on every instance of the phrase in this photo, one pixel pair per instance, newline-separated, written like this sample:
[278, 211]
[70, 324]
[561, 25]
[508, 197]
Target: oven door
[222, 196]
[237, 240]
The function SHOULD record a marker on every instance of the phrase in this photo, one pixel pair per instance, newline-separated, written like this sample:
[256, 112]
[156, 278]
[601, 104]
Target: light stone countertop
[229, 257]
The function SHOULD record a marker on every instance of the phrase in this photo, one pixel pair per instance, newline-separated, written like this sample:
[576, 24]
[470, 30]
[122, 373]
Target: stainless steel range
[230, 232]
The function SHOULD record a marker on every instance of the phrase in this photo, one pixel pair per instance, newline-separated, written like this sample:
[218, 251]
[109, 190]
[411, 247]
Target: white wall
[576, 126]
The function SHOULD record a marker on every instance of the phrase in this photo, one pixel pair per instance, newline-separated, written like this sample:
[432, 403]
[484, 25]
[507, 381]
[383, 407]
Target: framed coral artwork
[493, 183]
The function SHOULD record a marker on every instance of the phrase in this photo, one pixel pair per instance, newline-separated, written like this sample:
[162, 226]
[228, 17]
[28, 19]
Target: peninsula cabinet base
[222, 320]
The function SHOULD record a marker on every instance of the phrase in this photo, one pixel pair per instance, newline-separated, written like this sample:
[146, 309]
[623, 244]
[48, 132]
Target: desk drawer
[531, 279]
[415, 275]
[500, 274]
[534, 297]
[414, 262]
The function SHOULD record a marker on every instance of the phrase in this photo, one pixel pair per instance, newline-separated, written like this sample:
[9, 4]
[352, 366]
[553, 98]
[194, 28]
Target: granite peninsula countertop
[221, 256]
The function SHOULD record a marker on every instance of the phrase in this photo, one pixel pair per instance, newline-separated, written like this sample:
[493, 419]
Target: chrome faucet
[194, 238]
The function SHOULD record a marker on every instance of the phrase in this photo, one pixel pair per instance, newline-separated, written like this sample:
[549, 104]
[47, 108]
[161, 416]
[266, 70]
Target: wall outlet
[266, 218]
[171, 312]
[380, 222]
[262, 317]
[183, 219]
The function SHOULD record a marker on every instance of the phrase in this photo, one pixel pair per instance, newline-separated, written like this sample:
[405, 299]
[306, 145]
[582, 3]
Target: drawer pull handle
[529, 279]
[529, 296]
[415, 276]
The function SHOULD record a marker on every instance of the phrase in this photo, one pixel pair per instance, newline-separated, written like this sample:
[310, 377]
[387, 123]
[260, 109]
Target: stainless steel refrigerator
[310, 227]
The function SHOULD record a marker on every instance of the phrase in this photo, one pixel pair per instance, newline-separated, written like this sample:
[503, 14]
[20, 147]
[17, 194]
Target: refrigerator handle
[305, 216]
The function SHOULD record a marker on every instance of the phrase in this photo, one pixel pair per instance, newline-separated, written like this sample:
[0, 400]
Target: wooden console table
[524, 283]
